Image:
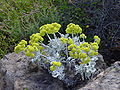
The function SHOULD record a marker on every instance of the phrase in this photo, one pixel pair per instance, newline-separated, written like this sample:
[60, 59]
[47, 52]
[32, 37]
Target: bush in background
[71, 13]
[105, 22]
[20, 18]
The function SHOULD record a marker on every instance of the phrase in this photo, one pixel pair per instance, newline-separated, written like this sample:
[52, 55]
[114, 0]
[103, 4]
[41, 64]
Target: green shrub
[6, 44]
[70, 12]
[20, 18]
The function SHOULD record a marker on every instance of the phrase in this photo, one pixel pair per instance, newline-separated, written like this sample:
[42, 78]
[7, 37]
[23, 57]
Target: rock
[2, 73]
[106, 80]
[16, 73]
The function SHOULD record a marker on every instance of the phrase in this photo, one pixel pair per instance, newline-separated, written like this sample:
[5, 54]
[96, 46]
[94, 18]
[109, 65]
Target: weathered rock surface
[106, 80]
[17, 73]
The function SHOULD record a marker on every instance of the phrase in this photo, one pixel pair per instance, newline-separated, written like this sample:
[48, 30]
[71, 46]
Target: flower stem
[49, 37]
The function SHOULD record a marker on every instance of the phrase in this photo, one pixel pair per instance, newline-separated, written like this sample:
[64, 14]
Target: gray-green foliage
[63, 57]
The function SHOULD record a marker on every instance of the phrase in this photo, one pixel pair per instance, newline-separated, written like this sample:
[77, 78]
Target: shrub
[71, 12]
[6, 43]
[105, 22]
[20, 18]
[23, 17]
[65, 56]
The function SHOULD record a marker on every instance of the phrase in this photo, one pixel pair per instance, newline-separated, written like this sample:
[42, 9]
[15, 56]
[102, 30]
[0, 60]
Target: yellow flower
[56, 63]
[49, 28]
[41, 48]
[86, 49]
[76, 55]
[95, 47]
[87, 26]
[35, 44]
[71, 54]
[73, 50]
[96, 53]
[64, 40]
[18, 48]
[73, 29]
[30, 42]
[42, 32]
[32, 36]
[52, 68]
[36, 39]
[70, 41]
[96, 44]
[85, 60]
[32, 55]
[83, 36]
[28, 53]
[56, 25]
[71, 46]
[30, 48]
[24, 42]
[79, 50]
[97, 39]
[83, 55]
[92, 53]
[41, 39]
[35, 48]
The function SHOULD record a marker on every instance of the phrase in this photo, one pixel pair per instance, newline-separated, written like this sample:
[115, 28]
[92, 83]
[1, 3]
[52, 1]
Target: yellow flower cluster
[85, 60]
[85, 47]
[28, 51]
[87, 26]
[77, 51]
[52, 68]
[32, 48]
[94, 46]
[35, 38]
[92, 53]
[33, 45]
[49, 28]
[73, 29]
[70, 41]
[54, 64]
[83, 36]
[97, 39]
[64, 40]
[21, 46]
[71, 46]
[84, 51]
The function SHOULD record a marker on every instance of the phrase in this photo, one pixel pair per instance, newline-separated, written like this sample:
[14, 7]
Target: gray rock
[2, 73]
[106, 80]
[16, 73]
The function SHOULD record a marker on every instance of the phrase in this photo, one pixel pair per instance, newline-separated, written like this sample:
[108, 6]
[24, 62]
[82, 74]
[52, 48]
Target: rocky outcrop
[106, 80]
[18, 73]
